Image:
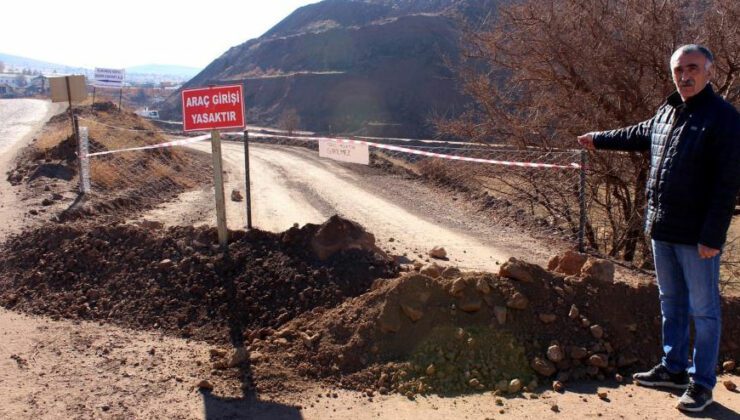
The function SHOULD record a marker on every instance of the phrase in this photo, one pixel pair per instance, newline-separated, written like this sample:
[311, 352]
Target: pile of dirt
[446, 332]
[179, 281]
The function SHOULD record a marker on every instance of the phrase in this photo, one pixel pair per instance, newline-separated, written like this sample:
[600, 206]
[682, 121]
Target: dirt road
[293, 185]
[19, 121]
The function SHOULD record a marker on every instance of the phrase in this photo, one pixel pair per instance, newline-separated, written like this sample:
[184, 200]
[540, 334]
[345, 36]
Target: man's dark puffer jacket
[694, 167]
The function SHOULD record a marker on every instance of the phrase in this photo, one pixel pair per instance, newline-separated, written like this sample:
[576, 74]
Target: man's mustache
[687, 83]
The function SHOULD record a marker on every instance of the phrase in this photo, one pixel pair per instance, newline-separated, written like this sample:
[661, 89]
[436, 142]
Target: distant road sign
[213, 108]
[109, 78]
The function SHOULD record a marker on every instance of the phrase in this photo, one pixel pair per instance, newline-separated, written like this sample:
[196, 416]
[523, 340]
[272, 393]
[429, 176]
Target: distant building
[6, 89]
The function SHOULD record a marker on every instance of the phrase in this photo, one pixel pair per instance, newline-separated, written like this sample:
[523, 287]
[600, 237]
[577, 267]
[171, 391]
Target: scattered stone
[204, 385]
[555, 353]
[571, 263]
[602, 395]
[482, 286]
[558, 386]
[731, 386]
[555, 408]
[215, 352]
[451, 272]
[515, 386]
[574, 312]
[47, 202]
[619, 378]
[626, 360]
[500, 312]
[413, 312]
[543, 367]
[471, 303]
[598, 270]
[585, 323]
[236, 195]
[522, 271]
[553, 263]
[432, 270]
[548, 318]
[597, 331]
[390, 318]
[532, 386]
[518, 301]
[728, 366]
[457, 287]
[438, 252]
[238, 357]
[431, 370]
[310, 340]
[598, 360]
[474, 383]
[502, 385]
[256, 357]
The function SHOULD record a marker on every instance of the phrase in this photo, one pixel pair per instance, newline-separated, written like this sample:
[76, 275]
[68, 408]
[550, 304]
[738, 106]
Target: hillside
[349, 66]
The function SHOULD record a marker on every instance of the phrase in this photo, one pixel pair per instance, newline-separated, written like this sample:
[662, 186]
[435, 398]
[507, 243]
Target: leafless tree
[545, 71]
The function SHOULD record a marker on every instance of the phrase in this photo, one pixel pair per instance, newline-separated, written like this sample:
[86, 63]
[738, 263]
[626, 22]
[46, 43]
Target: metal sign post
[218, 180]
[247, 182]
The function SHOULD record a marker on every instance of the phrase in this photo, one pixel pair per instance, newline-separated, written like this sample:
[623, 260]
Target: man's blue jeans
[689, 286]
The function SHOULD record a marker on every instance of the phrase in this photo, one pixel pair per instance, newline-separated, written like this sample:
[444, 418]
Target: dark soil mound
[177, 279]
[480, 331]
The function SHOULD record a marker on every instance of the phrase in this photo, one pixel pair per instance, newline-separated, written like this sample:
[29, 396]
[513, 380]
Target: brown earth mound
[480, 331]
[177, 280]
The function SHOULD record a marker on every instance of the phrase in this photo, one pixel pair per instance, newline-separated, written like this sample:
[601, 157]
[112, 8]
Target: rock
[574, 312]
[518, 301]
[500, 312]
[502, 385]
[592, 371]
[558, 386]
[563, 376]
[578, 353]
[390, 318]
[238, 357]
[482, 286]
[451, 272]
[598, 360]
[553, 263]
[597, 331]
[457, 287]
[619, 378]
[438, 252]
[165, 263]
[474, 383]
[515, 386]
[731, 386]
[47, 202]
[217, 352]
[310, 340]
[547, 318]
[522, 271]
[413, 312]
[256, 357]
[532, 386]
[555, 353]
[598, 270]
[471, 302]
[431, 370]
[571, 263]
[151, 224]
[626, 360]
[728, 366]
[432, 270]
[236, 195]
[204, 385]
[555, 408]
[602, 395]
[543, 366]
[339, 234]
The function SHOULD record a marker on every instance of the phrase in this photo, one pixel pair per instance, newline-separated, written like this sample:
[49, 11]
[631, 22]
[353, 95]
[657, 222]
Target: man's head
[691, 66]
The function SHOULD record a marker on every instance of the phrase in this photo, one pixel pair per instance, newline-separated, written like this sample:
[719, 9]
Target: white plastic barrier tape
[155, 146]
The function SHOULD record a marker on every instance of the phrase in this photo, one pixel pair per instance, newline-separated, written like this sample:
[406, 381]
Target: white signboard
[345, 152]
[109, 78]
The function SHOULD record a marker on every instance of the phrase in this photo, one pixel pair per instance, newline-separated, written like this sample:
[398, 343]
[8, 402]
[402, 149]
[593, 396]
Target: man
[694, 143]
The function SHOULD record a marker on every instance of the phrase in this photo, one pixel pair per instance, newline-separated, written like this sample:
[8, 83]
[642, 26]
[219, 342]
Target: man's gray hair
[692, 48]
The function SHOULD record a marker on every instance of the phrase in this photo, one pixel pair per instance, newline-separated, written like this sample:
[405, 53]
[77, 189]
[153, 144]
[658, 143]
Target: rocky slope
[351, 66]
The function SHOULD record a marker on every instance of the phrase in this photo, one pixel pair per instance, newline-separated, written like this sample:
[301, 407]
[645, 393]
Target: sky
[126, 33]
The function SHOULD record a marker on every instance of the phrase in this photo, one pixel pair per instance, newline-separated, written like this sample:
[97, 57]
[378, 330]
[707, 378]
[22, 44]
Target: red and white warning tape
[183, 142]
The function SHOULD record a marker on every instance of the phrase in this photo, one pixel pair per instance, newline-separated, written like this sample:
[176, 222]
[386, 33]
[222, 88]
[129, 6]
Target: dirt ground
[60, 368]
[65, 369]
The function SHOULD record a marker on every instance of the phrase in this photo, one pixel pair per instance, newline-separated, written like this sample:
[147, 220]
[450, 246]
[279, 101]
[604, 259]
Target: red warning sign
[213, 108]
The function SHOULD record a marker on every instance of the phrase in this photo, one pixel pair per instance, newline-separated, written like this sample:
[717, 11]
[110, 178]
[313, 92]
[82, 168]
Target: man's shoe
[696, 398]
[660, 376]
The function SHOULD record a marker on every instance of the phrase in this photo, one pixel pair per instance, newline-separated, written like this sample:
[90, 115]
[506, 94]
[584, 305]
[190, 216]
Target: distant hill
[153, 73]
[164, 69]
[351, 66]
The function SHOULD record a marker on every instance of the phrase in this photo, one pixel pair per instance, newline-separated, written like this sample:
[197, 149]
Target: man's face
[690, 73]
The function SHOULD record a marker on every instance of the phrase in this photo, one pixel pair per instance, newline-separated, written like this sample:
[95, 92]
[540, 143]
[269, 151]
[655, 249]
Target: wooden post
[218, 186]
[93, 104]
[120, 96]
[71, 113]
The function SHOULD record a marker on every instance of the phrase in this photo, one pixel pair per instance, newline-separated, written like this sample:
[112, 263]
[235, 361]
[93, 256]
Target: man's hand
[587, 141]
[707, 252]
